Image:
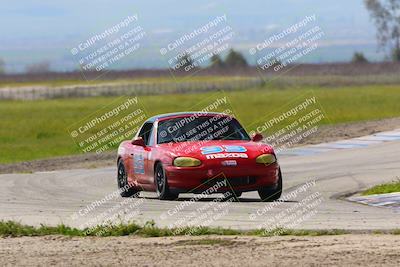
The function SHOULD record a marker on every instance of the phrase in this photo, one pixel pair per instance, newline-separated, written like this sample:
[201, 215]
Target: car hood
[200, 149]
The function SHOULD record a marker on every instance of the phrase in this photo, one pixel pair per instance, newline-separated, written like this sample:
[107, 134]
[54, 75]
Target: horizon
[53, 29]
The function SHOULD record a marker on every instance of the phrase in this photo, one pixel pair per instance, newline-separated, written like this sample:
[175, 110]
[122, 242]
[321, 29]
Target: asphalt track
[63, 196]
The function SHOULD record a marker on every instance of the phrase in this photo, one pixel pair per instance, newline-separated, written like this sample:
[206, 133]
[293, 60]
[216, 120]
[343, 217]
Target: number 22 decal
[218, 149]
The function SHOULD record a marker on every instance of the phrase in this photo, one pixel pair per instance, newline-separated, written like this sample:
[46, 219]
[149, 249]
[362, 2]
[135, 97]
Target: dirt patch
[326, 133]
[343, 69]
[344, 250]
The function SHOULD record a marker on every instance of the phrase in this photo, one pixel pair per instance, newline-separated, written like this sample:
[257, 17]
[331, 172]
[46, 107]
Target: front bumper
[237, 178]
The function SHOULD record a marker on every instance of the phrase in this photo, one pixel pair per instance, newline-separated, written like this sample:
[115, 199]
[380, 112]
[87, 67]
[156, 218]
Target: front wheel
[235, 195]
[122, 179]
[273, 193]
[161, 182]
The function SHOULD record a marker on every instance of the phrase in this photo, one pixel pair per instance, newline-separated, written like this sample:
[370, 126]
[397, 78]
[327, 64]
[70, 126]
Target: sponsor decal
[221, 152]
[219, 149]
[138, 163]
[227, 155]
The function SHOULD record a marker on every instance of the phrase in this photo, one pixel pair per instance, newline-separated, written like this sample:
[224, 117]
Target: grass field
[38, 129]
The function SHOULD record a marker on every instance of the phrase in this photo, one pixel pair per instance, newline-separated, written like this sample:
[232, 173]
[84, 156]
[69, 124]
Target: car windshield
[200, 128]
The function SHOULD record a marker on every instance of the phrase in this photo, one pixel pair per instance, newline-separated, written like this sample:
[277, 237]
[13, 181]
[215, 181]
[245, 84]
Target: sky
[46, 30]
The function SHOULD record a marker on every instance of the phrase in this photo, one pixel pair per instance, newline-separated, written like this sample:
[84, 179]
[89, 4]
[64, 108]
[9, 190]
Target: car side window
[151, 137]
[145, 132]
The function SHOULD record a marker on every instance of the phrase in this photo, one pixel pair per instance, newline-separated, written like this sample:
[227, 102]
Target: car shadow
[211, 199]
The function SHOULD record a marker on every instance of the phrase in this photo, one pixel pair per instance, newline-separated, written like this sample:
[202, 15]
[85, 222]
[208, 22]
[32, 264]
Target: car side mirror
[257, 137]
[138, 141]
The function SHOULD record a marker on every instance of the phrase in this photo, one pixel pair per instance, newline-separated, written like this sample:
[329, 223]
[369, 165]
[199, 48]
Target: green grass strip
[15, 229]
[149, 229]
[383, 189]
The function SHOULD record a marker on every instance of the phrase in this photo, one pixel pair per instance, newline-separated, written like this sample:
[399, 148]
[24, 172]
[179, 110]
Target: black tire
[122, 180]
[161, 182]
[273, 193]
[235, 195]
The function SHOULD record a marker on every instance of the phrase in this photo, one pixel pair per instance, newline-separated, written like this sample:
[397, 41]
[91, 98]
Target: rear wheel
[272, 193]
[122, 179]
[161, 182]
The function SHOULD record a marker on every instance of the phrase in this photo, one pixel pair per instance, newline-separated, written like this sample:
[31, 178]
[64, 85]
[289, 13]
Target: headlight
[186, 162]
[266, 159]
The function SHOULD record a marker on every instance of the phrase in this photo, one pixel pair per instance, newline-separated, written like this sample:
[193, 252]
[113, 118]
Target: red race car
[197, 152]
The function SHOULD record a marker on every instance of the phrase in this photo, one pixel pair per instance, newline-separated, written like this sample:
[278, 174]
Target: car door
[140, 156]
